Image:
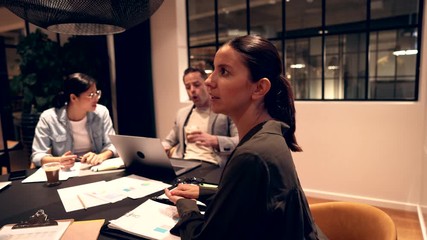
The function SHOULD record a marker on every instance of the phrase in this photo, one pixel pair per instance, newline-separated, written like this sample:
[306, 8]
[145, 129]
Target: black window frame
[367, 27]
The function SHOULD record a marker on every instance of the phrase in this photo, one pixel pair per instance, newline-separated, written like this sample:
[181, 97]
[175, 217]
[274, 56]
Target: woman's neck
[75, 114]
[249, 120]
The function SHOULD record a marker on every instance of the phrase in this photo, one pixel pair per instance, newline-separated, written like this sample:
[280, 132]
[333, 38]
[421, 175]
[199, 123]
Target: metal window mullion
[419, 44]
[377, 36]
[367, 37]
[248, 17]
[187, 14]
[323, 27]
[358, 65]
[395, 66]
[216, 26]
[283, 42]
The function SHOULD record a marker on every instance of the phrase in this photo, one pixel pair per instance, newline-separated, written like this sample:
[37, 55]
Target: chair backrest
[353, 221]
[2, 143]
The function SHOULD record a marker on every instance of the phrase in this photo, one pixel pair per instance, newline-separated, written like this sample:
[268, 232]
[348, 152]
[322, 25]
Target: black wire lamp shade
[83, 17]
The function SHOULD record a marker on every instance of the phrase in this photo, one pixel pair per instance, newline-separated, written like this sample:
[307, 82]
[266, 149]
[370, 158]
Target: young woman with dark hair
[77, 127]
[259, 195]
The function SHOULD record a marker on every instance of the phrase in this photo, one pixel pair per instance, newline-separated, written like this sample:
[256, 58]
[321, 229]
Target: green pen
[208, 185]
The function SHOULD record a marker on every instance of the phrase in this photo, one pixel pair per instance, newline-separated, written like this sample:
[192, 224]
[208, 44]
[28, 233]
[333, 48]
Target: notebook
[146, 157]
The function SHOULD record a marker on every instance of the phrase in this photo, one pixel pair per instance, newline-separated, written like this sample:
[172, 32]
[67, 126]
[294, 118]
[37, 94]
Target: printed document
[88, 195]
[136, 187]
[150, 220]
[102, 192]
[40, 175]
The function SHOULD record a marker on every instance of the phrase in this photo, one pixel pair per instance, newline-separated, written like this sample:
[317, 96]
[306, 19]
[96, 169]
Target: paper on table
[36, 233]
[109, 164]
[76, 198]
[151, 220]
[4, 184]
[107, 193]
[40, 175]
[134, 186]
[98, 193]
[79, 169]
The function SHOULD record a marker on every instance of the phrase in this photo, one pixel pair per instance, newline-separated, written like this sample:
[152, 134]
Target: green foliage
[44, 64]
[41, 71]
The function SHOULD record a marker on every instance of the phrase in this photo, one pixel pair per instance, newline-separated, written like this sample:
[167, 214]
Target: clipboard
[53, 232]
[37, 226]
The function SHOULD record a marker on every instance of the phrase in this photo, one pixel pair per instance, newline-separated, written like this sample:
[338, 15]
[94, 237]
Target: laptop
[146, 157]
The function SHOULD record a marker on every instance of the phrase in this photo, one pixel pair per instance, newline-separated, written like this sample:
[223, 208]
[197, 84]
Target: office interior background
[357, 68]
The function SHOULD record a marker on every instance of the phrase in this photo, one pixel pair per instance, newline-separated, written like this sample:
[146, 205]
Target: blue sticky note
[158, 229]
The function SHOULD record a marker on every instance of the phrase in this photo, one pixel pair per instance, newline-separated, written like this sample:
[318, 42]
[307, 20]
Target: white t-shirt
[199, 118]
[82, 143]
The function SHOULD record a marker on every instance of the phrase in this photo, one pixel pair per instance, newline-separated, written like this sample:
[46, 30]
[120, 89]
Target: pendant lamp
[83, 17]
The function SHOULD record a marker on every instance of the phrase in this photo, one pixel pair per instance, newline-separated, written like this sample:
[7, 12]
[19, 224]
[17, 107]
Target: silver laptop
[147, 157]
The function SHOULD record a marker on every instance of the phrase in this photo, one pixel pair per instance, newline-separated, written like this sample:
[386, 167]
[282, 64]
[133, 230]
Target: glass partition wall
[331, 49]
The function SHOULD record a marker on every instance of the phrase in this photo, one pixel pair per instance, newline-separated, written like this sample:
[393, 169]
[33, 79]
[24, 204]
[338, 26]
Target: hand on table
[189, 191]
[91, 158]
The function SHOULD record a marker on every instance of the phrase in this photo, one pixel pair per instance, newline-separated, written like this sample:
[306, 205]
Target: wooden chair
[353, 221]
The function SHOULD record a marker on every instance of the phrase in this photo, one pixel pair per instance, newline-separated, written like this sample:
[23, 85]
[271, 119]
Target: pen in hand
[162, 200]
[83, 165]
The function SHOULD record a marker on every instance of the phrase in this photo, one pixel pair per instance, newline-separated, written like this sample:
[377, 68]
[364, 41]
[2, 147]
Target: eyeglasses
[93, 94]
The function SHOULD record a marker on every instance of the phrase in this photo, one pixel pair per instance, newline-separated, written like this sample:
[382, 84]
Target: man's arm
[174, 136]
[226, 144]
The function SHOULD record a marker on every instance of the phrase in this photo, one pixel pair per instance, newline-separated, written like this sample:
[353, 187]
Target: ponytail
[60, 100]
[279, 103]
[263, 61]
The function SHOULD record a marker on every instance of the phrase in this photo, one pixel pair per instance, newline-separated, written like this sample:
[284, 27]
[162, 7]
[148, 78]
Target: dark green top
[259, 195]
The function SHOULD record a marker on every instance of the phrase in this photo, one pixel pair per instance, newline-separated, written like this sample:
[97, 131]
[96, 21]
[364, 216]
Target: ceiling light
[84, 17]
[405, 52]
[298, 66]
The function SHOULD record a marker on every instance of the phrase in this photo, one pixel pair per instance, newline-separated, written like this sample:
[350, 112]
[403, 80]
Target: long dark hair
[75, 83]
[263, 61]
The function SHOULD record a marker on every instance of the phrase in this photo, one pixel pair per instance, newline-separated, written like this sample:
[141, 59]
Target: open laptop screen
[146, 157]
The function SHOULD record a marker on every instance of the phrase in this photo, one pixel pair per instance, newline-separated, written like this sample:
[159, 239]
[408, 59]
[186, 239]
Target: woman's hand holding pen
[189, 191]
[67, 160]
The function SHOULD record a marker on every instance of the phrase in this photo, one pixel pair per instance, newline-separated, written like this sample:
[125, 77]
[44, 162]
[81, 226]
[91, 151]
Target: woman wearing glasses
[76, 128]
